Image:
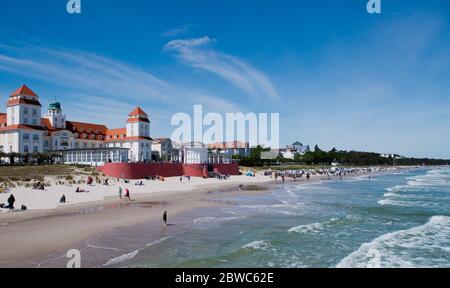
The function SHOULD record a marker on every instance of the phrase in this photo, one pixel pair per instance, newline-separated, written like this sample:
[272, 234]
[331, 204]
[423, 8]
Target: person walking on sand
[127, 194]
[165, 218]
[120, 192]
[11, 201]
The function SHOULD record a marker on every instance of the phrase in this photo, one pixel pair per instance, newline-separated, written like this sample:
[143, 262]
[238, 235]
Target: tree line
[321, 157]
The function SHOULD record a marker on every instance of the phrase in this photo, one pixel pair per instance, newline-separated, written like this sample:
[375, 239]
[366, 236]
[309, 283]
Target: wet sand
[28, 238]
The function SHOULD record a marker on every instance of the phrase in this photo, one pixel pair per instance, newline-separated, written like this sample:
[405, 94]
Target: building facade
[162, 149]
[24, 130]
[232, 147]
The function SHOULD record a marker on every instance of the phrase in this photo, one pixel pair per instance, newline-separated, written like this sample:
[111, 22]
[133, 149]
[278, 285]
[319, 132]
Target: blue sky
[337, 75]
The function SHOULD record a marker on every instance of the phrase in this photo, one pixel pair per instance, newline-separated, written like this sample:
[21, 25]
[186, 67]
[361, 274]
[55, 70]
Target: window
[36, 137]
[25, 120]
[34, 122]
[34, 112]
[35, 149]
[25, 149]
[26, 136]
[25, 111]
[46, 143]
[56, 143]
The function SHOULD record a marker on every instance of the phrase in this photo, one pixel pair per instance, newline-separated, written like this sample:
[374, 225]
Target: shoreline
[37, 234]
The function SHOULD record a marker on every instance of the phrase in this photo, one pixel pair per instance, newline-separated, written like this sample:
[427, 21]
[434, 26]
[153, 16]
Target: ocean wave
[258, 245]
[122, 258]
[290, 193]
[421, 246]
[319, 226]
[125, 257]
[216, 219]
[307, 228]
[284, 209]
[419, 191]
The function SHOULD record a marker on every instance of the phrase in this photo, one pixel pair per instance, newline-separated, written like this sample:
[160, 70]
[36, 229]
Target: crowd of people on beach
[308, 173]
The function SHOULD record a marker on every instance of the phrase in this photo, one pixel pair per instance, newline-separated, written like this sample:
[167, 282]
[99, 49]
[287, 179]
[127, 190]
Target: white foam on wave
[258, 245]
[122, 258]
[423, 246]
[216, 219]
[131, 255]
[290, 193]
[312, 227]
[316, 227]
[284, 209]
[415, 193]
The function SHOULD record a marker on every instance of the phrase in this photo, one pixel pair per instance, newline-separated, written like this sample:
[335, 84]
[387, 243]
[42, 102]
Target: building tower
[55, 115]
[23, 108]
[138, 135]
[138, 124]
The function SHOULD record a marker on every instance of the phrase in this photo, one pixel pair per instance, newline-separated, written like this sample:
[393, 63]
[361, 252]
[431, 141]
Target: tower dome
[54, 106]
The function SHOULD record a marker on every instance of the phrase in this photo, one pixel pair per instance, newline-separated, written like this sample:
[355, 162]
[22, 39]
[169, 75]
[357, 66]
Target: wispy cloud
[88, 72]
[96, 87]
[178, 31]
[198, 53]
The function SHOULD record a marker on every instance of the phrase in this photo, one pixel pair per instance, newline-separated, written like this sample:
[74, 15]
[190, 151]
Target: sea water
[399, 219]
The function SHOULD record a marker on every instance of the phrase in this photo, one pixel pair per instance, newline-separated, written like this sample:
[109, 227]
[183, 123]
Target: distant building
[193, 153]
[231, 148]
[299, 148]
[162, 149]
[296, 148]
[288, 153]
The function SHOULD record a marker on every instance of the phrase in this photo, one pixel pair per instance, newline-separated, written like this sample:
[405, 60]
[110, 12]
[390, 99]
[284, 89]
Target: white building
[162, 149]
[288, 153]
[193, 153]
[232, 147]
[23, 130]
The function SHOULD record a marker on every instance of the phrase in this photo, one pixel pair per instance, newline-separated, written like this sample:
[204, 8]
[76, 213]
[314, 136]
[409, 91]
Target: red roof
[132, 138]
[118, 134]
[139, 119]
[86, 128]
[25, 91]
[22, 101]
[138, 112]
[83, 130]
[228, 145]
[22, 126]
[3, 118]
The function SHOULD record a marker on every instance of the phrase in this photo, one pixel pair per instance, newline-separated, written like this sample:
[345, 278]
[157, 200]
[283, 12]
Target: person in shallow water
[165, 217]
